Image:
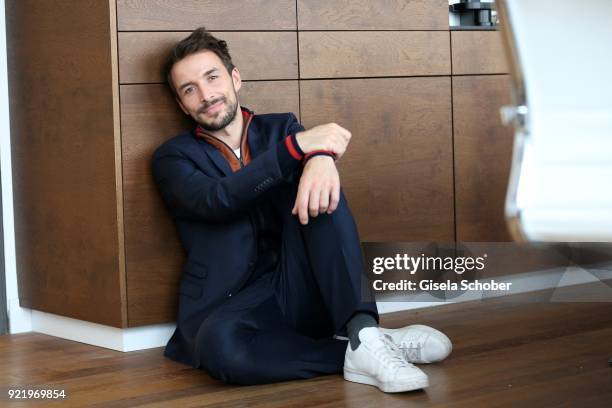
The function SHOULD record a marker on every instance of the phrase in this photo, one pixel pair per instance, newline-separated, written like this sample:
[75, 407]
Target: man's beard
[218, 124]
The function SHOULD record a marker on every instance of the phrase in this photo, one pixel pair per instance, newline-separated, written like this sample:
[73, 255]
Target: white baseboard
[139, 338]
[131, 339]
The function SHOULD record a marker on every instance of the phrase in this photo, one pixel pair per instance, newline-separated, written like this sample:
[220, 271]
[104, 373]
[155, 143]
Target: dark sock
[358, 322]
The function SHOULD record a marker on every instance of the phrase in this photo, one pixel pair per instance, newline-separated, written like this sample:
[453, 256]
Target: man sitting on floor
[274, 264]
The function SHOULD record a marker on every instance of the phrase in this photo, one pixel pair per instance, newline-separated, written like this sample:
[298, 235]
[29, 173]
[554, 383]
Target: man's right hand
[319, 189]
[324, 137]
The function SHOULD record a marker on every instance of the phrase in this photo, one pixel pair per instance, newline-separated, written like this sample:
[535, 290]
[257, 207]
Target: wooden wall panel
[397, 172]
[372, 15]
[182, 15]
[268, 96]
[258, 55]
[63, 157]
[154, 256]
[478, 52]
[373, 54]
[483, 152]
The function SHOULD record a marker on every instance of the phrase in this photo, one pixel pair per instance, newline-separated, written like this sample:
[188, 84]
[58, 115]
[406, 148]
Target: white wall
[19, 318]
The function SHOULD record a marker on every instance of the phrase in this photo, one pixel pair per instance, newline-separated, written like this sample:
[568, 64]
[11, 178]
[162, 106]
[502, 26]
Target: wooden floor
[509, 352]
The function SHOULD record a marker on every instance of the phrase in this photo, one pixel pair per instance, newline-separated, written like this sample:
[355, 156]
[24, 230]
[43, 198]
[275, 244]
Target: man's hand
[324, 137]
[318, 190]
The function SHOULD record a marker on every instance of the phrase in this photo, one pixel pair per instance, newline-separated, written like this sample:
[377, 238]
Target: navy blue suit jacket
[212, 208]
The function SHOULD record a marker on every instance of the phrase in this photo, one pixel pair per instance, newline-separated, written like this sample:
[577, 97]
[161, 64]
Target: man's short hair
[199, 40]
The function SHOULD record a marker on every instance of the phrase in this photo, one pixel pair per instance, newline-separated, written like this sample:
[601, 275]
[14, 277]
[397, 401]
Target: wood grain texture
[507, 352]
[397, 172]
[63, 156]
[372, 15]
[258, 55]
[182, 15]
[373, 54]
[512, 258]
[114, 51]
[478, 52]
[271, 96]
[483, 152]
[154, 256]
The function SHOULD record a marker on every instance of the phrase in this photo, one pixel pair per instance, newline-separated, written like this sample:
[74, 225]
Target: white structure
[561, 60]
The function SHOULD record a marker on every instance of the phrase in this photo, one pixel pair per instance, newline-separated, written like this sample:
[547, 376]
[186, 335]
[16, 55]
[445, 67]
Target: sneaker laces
[390, 354]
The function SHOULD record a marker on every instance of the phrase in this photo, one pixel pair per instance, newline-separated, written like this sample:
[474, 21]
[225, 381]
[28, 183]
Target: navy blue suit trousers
[279, 326]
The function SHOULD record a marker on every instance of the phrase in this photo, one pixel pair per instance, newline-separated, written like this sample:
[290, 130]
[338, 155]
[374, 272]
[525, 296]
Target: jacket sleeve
[294, 128]
[190, 193]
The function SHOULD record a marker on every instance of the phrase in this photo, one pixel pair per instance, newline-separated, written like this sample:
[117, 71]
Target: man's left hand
[318, 190]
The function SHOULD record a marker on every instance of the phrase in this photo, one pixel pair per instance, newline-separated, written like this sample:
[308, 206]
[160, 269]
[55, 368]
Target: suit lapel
[217, 158]
[256, 142]
[212, 154]
[254, 139]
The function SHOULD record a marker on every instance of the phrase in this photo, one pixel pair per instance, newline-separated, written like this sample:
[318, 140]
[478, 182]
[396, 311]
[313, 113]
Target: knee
[223, 352]
[342, 211]
[341, 221]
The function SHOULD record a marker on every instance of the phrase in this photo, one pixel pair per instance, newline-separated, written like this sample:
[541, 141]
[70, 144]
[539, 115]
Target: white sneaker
[420, 343]
[377, 361]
